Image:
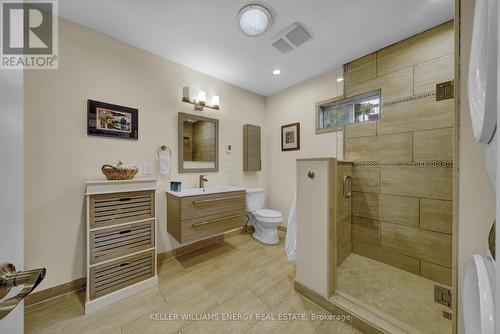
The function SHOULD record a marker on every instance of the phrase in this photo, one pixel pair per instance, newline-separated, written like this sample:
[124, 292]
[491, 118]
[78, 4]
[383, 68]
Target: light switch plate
[147, 169]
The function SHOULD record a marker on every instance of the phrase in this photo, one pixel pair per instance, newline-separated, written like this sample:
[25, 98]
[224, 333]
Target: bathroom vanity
[200, 213]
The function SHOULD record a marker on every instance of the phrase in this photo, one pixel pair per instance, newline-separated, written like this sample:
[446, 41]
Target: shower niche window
[333, 115]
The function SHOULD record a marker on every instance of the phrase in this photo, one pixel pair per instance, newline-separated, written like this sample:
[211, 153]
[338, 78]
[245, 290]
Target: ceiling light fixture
[276, 72]
[253, 20]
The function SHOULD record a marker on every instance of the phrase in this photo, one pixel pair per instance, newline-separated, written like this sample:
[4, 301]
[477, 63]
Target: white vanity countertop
[103, 186]
[105, 181]
[204, 191]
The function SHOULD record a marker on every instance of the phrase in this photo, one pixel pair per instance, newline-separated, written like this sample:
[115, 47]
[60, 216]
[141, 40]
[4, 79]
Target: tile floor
[405, 299]
[239, 277]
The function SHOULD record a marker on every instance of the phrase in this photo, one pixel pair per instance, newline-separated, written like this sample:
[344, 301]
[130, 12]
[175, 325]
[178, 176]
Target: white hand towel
[165, 164]
[291, 232]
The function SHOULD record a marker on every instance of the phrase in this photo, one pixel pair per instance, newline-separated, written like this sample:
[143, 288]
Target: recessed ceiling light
[340, 79]
[276, 72]
[253, 20]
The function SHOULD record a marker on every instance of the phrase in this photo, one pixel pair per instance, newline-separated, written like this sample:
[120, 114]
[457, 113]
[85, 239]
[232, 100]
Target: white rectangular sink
[204, 191]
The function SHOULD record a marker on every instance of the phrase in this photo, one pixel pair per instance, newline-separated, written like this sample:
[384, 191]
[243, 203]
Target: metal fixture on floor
[10, 278]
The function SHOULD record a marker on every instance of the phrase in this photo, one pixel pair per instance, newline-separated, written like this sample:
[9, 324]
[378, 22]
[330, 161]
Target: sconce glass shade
[215, 100]
[202, 96]
[185, 93]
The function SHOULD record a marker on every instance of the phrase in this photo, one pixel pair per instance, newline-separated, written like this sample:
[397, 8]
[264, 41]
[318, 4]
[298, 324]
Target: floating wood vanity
[198, 214]
[121, 240]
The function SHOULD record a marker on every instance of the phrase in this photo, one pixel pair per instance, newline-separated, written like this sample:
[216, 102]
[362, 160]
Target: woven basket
[118, 172]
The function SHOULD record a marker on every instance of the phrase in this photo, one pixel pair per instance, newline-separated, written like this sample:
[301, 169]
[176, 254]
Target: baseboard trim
[354, 321]
[66, 289]
[62, 290]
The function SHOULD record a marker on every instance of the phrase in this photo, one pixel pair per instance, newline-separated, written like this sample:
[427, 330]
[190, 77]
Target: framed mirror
[198, 144]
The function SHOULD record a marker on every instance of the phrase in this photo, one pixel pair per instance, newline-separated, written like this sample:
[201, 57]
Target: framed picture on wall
[290, 137]
[111, 120]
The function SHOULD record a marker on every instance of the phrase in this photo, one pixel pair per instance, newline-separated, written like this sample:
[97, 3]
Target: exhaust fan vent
[291, 38]
[298, 35]
[282, 46]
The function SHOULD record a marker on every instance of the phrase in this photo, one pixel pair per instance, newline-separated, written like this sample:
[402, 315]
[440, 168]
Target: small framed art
[111, 120]
[290, 137]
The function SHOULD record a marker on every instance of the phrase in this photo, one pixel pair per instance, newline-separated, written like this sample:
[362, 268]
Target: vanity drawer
[207, 205]
[205, 227]
[111, 209]
[116, 275]
[113, 242]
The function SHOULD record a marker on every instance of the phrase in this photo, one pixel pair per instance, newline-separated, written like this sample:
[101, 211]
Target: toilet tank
[255, 199]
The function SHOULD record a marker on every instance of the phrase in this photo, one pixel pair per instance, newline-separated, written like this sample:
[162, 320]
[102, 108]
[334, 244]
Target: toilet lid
[478, 302]
[266, 213]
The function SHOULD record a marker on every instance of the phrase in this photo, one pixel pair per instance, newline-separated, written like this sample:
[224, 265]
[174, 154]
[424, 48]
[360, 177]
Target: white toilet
[478, 295]
[264, 221]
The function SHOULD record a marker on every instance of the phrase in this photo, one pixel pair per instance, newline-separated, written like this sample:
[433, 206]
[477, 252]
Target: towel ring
[164, 148]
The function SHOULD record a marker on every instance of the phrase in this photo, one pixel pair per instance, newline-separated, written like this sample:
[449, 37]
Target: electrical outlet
[229, 148]
[147, 169]
[227, 168]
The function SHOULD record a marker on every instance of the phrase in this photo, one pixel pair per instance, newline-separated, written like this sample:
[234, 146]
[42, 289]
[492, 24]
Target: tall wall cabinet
[252, 160]
[121, 240]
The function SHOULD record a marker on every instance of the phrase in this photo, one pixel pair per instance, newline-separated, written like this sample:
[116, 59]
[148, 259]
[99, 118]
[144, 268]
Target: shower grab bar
[347, 184]
[10, 278]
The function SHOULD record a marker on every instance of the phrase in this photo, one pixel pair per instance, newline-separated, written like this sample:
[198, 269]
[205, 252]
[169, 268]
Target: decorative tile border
[418, 97]
[407, 164]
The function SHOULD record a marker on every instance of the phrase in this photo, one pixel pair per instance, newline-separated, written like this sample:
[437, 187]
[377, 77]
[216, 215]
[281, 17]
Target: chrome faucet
[203, 179]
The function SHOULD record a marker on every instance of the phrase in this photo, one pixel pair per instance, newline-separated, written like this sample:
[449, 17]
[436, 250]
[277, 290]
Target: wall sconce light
[200, 102]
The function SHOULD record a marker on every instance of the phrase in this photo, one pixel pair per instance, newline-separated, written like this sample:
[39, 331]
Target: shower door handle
[10, 278]
[347, 186]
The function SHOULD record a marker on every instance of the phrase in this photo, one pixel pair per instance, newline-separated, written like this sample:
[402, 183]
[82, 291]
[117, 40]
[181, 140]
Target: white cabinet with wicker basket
[121, 240]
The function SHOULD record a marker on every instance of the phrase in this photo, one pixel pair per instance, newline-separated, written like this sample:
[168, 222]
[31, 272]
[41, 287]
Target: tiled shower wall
[403, 175]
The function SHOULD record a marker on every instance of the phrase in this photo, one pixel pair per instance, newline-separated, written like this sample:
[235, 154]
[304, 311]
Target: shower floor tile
[405, 299]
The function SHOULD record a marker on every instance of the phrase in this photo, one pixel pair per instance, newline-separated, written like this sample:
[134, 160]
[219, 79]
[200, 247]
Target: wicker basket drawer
[111, 209]
[205, 227]
[116, 275]
[113, 242]
[206, 205]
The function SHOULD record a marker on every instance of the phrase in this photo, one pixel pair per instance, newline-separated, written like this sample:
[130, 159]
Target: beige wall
[297, 104]
[402, 215]
[476, 201]
[60, 156]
